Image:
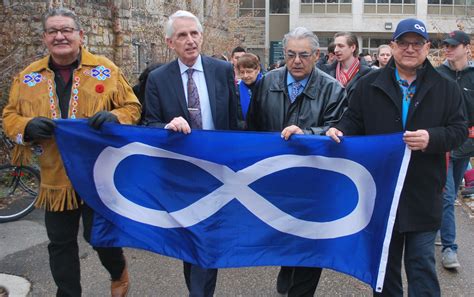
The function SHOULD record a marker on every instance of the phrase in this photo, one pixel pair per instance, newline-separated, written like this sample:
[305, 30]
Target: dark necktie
[295, 88]
[194, 107]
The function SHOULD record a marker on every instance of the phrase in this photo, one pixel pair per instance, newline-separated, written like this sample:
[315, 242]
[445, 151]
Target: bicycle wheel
[19, 187]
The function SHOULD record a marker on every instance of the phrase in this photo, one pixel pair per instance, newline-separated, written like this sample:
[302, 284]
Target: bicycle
[19, 187]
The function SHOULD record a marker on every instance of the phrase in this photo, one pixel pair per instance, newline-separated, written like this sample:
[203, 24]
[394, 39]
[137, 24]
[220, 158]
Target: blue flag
[232, 199]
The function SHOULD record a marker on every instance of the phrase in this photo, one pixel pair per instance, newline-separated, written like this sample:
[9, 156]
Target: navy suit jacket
[165, 98]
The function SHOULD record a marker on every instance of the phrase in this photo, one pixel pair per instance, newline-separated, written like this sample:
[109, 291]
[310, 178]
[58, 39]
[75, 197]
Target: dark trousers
[201, 282]
[304, 280]
[419, 263]
[62, 228]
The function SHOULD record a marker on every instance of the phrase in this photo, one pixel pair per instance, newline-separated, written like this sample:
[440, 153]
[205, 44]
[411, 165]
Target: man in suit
[191, 92]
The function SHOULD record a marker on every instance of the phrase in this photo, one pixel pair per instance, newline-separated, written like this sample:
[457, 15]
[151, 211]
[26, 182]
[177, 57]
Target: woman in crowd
[383, 56]
[248, 67]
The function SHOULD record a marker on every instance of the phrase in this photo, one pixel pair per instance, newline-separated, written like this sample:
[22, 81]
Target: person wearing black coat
[297, 99]
[140, 87]
[457, 67]
[410, 95]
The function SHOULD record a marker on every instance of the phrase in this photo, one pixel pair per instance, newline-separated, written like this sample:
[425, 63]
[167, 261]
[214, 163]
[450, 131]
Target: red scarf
[345, 77]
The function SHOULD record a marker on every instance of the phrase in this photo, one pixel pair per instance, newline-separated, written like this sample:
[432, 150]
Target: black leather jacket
[321, 103]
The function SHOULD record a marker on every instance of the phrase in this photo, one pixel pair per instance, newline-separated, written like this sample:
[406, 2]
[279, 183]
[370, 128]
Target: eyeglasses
[66, 31]
[303, 56]
[417, 45]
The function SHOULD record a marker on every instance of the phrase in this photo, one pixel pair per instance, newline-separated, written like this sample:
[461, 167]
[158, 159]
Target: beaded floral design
[100, 72]
[31, 79]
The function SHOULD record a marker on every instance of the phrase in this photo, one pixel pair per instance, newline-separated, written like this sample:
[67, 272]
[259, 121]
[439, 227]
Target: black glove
[39, 128]
[100, 118]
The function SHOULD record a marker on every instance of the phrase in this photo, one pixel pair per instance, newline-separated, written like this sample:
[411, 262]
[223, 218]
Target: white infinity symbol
[235, 186]
[419, 27]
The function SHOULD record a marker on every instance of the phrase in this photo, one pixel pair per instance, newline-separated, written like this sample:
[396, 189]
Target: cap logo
[452, 34]
[420, 27]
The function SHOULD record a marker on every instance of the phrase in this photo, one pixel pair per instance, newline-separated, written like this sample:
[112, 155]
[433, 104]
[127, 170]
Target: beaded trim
[37, 149]
[74, 97]
[52, 106]
[19, 138]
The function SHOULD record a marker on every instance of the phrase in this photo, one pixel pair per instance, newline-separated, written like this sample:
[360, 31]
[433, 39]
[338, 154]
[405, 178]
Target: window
[325, 6]
[252, 8]
[324, 41]
[370, 45]
[279, 6]
[450, 7]
[390, 6]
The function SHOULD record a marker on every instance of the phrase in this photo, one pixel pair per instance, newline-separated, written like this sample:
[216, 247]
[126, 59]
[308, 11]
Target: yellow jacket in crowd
[98, 84]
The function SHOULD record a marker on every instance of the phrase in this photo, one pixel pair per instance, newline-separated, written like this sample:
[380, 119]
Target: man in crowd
[326, 61]
[367, 57]
[410, 96]
[297, 99]
[182, 95]
[331, 53]
[237, 52]
[348, 68]
[458, 67]
[68, 83]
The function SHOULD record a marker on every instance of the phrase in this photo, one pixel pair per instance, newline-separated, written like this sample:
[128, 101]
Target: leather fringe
[21, 155]
[57, 199]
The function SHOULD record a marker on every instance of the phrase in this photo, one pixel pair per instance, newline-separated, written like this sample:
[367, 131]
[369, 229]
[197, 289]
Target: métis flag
[232, 199]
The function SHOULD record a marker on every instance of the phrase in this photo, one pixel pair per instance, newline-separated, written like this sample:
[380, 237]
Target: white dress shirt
[200, 80]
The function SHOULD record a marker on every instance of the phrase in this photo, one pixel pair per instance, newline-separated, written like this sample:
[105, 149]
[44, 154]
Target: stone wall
[129, 32]
[251, 33]
[21, 33]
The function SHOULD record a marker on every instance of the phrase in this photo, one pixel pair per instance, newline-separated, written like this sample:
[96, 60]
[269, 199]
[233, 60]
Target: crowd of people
[341, 94]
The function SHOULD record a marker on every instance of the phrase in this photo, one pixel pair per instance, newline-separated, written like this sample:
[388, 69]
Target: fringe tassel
[21, 155]
[57, 199]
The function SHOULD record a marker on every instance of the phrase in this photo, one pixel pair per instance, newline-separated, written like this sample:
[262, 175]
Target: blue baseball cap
[410, 26]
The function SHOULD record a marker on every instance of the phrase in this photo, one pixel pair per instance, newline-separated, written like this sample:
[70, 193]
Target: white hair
[180, 14]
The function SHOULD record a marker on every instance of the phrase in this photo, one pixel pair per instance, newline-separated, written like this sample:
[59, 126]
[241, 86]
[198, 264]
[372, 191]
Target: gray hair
[61, 12]
[180, 14]
[301, 33]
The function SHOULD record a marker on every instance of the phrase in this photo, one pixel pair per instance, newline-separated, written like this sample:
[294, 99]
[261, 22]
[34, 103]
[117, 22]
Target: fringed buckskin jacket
[97, 84]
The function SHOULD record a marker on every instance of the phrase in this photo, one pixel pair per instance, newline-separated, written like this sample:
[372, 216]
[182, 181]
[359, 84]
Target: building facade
[373, 21]
[131, 32]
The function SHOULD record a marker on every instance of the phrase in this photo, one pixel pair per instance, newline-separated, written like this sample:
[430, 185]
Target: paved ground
[23, 252]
